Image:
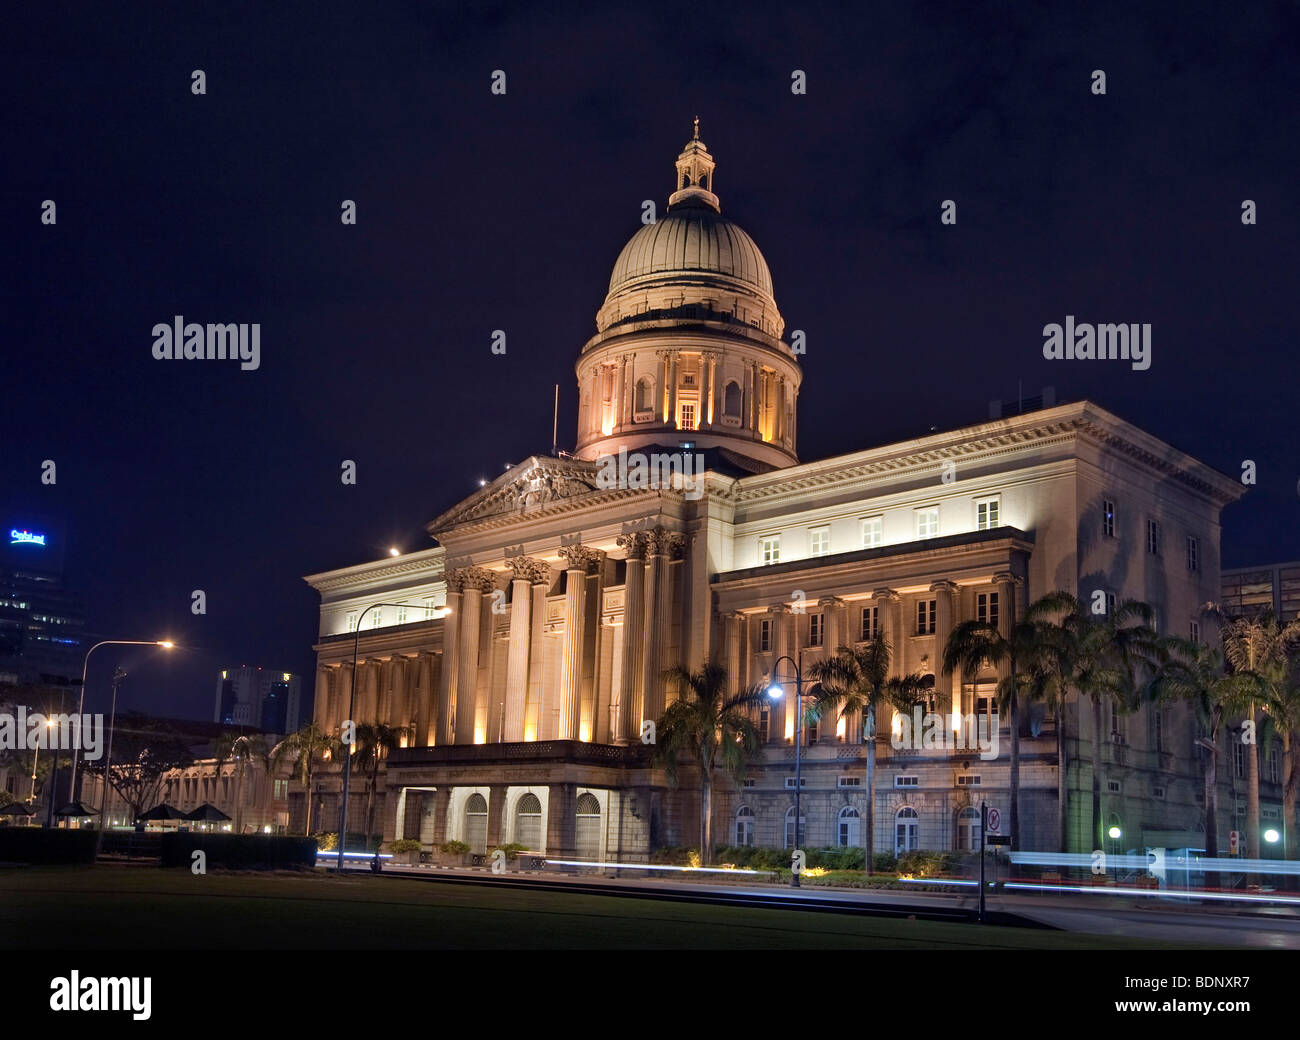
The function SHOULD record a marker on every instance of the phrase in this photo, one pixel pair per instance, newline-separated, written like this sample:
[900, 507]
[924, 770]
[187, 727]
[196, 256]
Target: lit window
[986, 608]
[428, 609]
[769, 549]
[352, 620]
[401, 615]
[870, 622]
[816, 629]
[925, 617]
[1107, 518]
[378, 617]
[987, 513]
[819, 541]
[927, 522]
[873, 532]
[687, 421]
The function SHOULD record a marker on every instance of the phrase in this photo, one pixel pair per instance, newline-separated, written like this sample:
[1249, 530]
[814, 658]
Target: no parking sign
[994, 821]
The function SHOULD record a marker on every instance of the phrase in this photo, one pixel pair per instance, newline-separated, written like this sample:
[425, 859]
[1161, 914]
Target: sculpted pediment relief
[531, 485]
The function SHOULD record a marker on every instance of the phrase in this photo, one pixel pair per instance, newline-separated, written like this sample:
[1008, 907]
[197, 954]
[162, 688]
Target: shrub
[38, 845]
[511, 849]
[405, 845]
[240, 851]
[455, 848]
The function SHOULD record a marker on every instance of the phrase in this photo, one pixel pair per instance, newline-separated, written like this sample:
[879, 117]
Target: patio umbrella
[76, 809]
[162, 811]
[206, 813]
[16, 809]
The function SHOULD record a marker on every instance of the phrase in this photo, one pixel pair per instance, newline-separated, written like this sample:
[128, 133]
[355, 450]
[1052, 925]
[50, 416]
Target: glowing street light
[1271, 836]
[1115, 833]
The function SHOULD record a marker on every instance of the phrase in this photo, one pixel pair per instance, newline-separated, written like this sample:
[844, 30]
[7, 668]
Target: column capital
[778, 609]
[666, 543]
[582, 558]
[525, 568]
[830, 601]
[1008, 578]
[477, 578]
[635, 542]
[886, 595]
[943, 586]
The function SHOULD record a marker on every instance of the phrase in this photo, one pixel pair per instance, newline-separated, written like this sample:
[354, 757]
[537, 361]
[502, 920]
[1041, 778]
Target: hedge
[38, 845]
[240, 851]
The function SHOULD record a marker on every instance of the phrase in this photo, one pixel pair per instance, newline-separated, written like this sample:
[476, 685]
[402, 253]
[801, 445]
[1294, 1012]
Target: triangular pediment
[537, 482]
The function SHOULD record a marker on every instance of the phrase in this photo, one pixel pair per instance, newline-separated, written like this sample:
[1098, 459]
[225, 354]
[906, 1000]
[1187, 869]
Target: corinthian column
[448, 674]
[663, 546]
[945, 612]
[631, 692]
[582, 561]
[526, 571]
[475, 581]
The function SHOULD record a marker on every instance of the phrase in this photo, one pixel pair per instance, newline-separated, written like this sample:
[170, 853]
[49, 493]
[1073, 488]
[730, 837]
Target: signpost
[1233, 839]
[984, 826]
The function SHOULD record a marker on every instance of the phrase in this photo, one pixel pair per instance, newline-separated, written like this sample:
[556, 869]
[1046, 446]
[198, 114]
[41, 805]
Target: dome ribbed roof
[691, 239]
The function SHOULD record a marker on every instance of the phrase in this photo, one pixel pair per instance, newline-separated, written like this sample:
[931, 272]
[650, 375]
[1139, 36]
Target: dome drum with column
[688, 344]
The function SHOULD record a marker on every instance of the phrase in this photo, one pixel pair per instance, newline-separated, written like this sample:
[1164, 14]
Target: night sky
[479, 212]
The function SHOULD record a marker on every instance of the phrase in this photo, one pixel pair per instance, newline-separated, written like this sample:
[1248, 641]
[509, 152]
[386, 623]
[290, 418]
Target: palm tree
[973, 644]
[1283, 710]
[305, 747]
[1256, 647]
[708, 719]
[374, 741]
[1197, 675]
[243, 750]
[857, 681]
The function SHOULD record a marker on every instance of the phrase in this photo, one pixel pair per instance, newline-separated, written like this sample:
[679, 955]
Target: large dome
[690, 239]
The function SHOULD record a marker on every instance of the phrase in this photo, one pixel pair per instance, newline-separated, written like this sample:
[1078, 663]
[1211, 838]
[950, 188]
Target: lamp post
[166, 644]
[118, 676]
[54, 776]
[774, 691]
[36, 758]
[352, 698]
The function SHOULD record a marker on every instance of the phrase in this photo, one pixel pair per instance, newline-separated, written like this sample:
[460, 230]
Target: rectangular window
[401, 615]
[906, 781]
[816, 629]
[688, 416]
[1107, 518]
[987, 512]
[764, 719]
[986, 608]
[819, 541]
[1238, 759]
[1274, 767]
[1193, 554]
[281, 790]
[850, 781]
[765, 635]
[378, 617]
[1194, 631]
[925, 617]
[769, 549]
[1157, 792]
[428, 609]
[927, 522]
[1153, 537]
[789, 782]
[968, 780]
[1158, 728]
[352, 620]
[873, 532]
[1113, 786]
[870, 623]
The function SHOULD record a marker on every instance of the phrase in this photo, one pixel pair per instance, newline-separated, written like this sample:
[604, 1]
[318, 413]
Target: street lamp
[775, 692]
[352, 697]
[166, 644]
[36, 757]
[118, 676]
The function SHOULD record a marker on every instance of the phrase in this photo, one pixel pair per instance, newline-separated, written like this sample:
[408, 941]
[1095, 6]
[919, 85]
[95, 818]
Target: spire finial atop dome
[695, 174]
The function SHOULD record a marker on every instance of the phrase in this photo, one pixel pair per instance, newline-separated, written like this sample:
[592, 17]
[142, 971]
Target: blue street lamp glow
[775, 692]
[1271, 836]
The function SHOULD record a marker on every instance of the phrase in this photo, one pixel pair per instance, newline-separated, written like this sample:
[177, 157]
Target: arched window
[789, 828]
[587, 834]
[731, 400]
[645, 394]
[745, 826]
[968, 832]
[476, 816]
[906, 830]
[849, 833]
[528, 822]
[686, 179]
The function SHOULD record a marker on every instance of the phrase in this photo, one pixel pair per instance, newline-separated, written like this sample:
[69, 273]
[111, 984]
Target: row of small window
[902, 780]
[986, 612]
[1155, 536]
[403, 616]
[848, 828]
[987, 514]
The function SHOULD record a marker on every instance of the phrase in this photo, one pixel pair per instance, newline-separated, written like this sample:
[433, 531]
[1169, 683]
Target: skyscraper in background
[260, 698]
[42, 623]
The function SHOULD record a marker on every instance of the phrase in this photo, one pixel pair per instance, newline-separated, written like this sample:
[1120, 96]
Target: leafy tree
[306, 749]
[1023, 649]
[244, 750]
[708, 721]
[144, 751]
[856, 681]
[374, 742]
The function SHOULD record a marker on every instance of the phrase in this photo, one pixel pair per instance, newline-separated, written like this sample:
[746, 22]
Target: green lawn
[112, 907]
